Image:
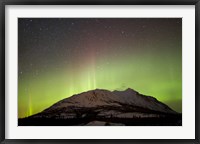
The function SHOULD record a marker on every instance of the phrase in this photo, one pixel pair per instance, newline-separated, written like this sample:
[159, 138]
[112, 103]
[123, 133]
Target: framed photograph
[105, 71]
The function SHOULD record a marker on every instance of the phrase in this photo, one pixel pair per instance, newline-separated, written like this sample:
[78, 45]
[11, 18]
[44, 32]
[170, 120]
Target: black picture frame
[4, 3]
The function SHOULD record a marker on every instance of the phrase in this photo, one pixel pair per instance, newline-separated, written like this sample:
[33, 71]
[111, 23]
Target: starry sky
[60, 57]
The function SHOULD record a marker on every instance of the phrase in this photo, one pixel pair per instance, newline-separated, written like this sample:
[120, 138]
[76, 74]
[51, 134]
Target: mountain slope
[109, 108]
[96, 98]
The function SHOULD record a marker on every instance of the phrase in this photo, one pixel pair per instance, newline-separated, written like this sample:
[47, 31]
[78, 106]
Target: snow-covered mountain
[103, 107]
[100, 97]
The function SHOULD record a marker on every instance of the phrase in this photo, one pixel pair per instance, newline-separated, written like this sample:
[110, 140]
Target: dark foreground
[172, 120]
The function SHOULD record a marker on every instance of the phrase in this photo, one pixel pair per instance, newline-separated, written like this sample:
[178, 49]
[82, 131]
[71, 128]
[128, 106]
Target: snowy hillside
[97, 107]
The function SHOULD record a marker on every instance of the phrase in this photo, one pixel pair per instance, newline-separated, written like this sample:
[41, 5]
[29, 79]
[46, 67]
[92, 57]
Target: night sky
[59, 57]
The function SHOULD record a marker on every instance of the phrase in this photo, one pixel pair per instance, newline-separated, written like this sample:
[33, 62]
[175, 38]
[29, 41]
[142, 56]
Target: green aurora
[151, 65]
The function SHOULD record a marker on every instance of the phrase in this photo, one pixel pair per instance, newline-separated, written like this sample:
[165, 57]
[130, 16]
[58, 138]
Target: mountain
[103, 107]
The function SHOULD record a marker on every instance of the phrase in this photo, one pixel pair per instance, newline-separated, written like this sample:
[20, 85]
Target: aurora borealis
[60, 57]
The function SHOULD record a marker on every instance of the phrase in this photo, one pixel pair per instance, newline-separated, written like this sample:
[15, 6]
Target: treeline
[162, 121]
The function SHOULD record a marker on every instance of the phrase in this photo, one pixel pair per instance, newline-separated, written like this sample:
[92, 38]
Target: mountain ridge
[98, 104]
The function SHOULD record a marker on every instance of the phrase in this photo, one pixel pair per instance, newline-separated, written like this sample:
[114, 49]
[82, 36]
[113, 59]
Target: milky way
[60, 57]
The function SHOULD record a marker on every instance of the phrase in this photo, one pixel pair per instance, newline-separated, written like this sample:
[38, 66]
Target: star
[122, 32]
[143, 26]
